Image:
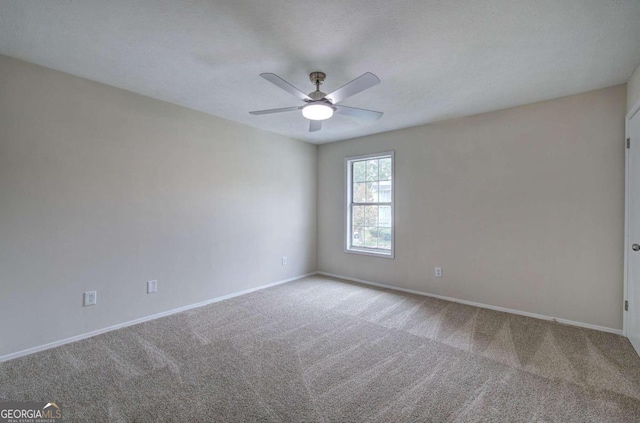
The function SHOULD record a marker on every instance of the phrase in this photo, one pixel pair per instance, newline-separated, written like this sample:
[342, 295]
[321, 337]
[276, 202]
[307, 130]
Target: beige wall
[633, 89]
[523, 208]
[102, 189]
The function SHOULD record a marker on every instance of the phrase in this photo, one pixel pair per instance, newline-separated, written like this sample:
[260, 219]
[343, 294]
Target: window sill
[371, 253]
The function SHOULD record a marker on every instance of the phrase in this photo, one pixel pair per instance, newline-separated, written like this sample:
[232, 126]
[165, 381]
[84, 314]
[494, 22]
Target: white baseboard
[54, 344]
[471, 303]
[236, 294]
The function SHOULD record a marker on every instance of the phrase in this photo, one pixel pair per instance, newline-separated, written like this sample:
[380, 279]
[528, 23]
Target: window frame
[348, 248]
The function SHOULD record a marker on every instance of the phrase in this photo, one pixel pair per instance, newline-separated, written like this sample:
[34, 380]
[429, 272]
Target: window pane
[359, 192]
[370, 215]
[372, 170]
[372, 192]
[384, 238]
[384, 216]
[357, 216]
[357, 239]
[359, 171]
[385, 169]
[370, 241]
[384, 191]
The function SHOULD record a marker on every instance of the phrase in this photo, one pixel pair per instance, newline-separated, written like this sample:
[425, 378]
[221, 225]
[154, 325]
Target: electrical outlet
[284, 261]
[438, 272]
[90, 298]
[152, 287]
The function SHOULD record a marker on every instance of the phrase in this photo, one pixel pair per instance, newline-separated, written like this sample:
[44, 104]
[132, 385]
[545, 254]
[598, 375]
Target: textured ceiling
[436, 59]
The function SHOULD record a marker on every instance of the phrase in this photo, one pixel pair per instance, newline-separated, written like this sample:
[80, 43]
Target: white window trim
[347, 207]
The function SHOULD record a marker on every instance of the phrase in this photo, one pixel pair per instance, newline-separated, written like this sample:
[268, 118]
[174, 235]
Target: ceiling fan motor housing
[317, 95]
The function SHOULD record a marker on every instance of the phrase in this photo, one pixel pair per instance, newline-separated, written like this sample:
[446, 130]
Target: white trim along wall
[471, 303]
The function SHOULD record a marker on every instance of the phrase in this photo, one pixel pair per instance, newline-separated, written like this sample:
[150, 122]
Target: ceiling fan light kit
[320, 106]
[317, 111]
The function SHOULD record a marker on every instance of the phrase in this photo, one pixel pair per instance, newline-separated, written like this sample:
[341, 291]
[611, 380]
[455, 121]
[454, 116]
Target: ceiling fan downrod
[317, 78]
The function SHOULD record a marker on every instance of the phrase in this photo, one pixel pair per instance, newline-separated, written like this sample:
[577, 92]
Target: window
[370, 205]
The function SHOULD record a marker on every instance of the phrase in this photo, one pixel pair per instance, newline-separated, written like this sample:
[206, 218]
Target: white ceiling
[436, 59]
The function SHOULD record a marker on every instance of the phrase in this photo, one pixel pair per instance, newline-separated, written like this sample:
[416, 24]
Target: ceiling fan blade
[359, 113]
[276, 80]
[359, 84]
[268, 111]
[315, 125]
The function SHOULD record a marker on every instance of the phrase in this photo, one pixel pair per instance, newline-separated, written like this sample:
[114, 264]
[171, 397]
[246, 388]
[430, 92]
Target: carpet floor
[325, 350]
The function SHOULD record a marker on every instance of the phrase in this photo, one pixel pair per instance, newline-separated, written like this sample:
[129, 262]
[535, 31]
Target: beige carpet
[320, 349]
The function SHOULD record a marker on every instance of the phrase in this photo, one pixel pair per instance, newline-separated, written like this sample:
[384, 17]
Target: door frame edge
[632, 112]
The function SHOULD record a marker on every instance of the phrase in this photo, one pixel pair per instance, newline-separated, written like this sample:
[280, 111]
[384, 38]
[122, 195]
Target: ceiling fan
[320, 106]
